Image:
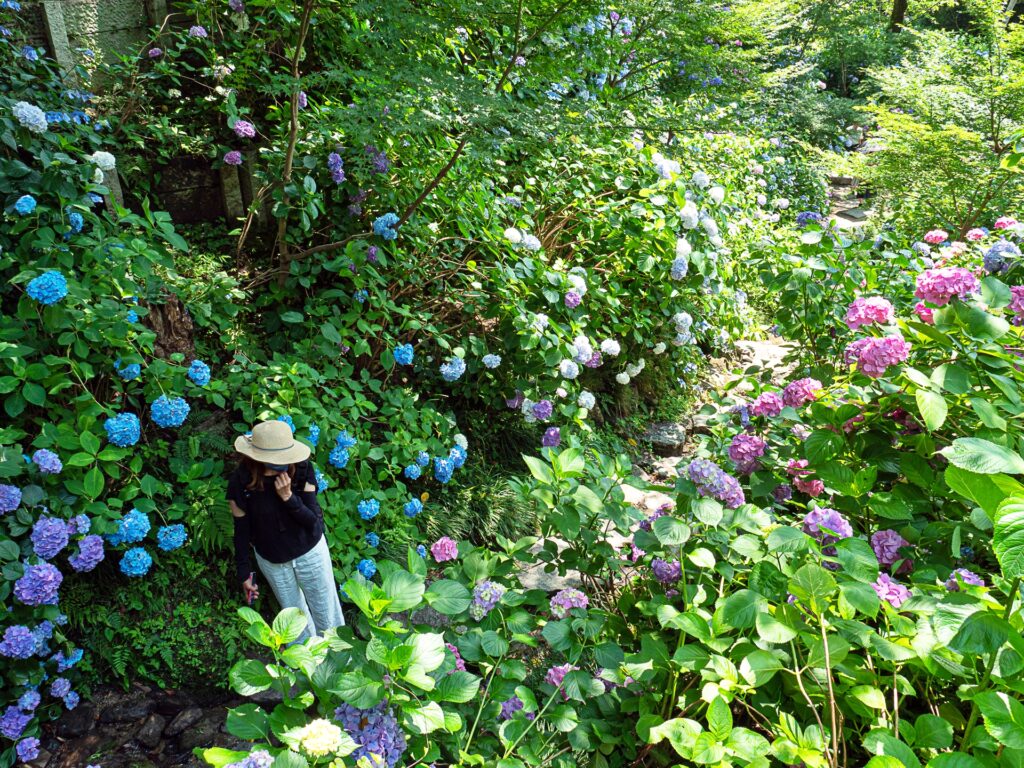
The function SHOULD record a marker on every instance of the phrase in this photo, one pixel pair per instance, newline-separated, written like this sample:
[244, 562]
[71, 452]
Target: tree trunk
[899, 13]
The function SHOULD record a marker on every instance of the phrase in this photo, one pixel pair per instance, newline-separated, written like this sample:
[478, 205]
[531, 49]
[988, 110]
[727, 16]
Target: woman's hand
[283, 486]
[251, 590]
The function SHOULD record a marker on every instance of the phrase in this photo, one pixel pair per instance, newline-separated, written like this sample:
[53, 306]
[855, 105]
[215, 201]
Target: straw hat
[272, 442]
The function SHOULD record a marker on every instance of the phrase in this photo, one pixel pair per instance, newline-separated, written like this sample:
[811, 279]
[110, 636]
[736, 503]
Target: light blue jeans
[307, 583]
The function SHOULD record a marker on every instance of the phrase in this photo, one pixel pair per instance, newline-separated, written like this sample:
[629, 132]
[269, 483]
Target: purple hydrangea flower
[244, 129]
[886, 545]
[60, 688]
[13, 722]
[10, 498]
[543, 410]
[18, 642]
[486, 595]
[572, 299]
[39, 585]
[966, 576]
[49, 537]
[47, 461]
[460, 665]
[89, 555]
[234, 157]
[745, 450]
[28, 749]
[552, 437]
[197, 31]
[375, 730]
[567, 599]
[666, 571]
[827, 525]
[890, 591]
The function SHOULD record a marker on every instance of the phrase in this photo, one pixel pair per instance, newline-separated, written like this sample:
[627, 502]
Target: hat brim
[292, 455]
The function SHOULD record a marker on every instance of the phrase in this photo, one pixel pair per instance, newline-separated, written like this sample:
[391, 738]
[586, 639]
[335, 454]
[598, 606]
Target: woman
[273, 500]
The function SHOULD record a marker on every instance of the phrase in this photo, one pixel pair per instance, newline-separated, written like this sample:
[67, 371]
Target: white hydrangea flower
[319, 738]
[709, 224]
[666, 168]
[683, 247]
[682, 339]
[531, 243]
[461, 441]
[30, 116]
[717, 194]
[683, 320]
[622, 378]
[492, 361]
[610, 347]
[97, 176]
[561, 392]
[659, 348]
[586, 400]
[762, 199]
[540, 322]
[579, 283]
[688, 215]
[635, 369]
[758, 169]
[513, 235]
[717, 241]
[527, 410]
[700, 179]
[782, 203]
[568, 369]
[584, 350]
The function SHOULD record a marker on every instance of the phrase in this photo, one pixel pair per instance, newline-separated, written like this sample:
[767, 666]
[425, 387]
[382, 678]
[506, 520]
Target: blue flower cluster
[413, 507]
[412, 472]
[338, 457]
[314, 434]
[25, 205]
[18, 643]
[457, 456]
[443, 470]
[404, 354]
[421, 550]
[171, 537]
[128, 372]
[491, 361]
[136, 562]
[372, 539]
[169, 411]
[199, 373]
[376, 731]
[10, 498]
[131, 529]
[123, 430]
[998, 257]
[49, 288]
[47, 461]
[453, 369]
[367, 568]
[383, 226]
[39, 585]
[49, 537]
[322, 483]
[368, 508]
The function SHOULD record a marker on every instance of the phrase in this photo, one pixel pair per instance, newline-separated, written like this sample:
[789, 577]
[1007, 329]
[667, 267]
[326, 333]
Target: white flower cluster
[519, 238]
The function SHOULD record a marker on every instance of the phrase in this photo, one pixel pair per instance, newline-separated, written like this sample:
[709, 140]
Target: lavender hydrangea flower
[39, 585]
[49, 537]
[197, 31]
[745, 450]
[376, 731]
[10, 498]
[666, 571]
[826, 525]
[552, 437]
[572, 299]
[565, 600]
[886, 545]
[90, 554]
[486, 595]
[13, 722]
[60, 688]
[232, 157]
[18, 643]
[542, 410]
[336, 166]
[890, 591]
[965, 576]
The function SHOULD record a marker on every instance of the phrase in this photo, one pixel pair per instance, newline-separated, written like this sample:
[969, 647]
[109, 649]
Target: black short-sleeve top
[280, 531]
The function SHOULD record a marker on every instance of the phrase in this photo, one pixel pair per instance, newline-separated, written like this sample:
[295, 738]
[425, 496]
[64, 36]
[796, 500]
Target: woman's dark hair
[255, 470]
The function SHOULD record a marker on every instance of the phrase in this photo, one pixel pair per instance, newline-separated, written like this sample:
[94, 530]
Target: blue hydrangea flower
[377, 732]
[131, 529]
[27, 749]
[29, 116]
[403, 354]
[79, 525]
[369, 508]
[132, 316]
[338, 457]
[25, 205]
[49, 288]
[60, 688]
[453, 369]
[18, 643]
[29, 53]
[90, 554]
[322, 483]
[412, 472]
[47, 461]
[29, 700]
[11, 5]
[423, 458]
[76, 222]
[136, 562]
[421, 550]
[443, 470]
[457, 456]
[199, 373]
[383, 226]
[413, 507]
[367, 567]
[128, 372]
[361, 295]
[492, 361]
[10, 498]
[287, 420]
[123, 430]
[171, 537]
[64, 663]
[169, 412]
[372, 539]
[999, 256]
[345, 440]
[71, 700]
[49, 537]
[314, 434]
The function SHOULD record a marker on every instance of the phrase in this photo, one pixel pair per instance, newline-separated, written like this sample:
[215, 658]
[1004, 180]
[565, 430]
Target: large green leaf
[857, 559]
[1008, 537]
[248, 722]
[932, 732]
[813, 587]
[249, 677]
[982, 456]
[458, 687]
[448, 597]
[671, 531]
[404, 590]
[288, 625]
[981, 632]
[1004, 717]
[423, 718]
[741, 608]
[933, 408]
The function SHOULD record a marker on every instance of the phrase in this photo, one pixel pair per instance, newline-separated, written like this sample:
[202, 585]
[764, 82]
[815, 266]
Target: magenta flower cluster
[1017, 304]
[890, 591]
[939, 286]
[869, 311]
[874, 355]
[801, 391]
[745, 450]
[565, 600]
[444, 549]
[767, 404]
[886, 545]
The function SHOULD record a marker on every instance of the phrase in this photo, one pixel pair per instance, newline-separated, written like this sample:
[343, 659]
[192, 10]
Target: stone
[149, 734]
[184, 719]
[666, 438]
[537, 578]
[655, 500]
[699, 423]
[172, 702]
[631, 495]
[203, 733]
[127, 711]
[77, 722]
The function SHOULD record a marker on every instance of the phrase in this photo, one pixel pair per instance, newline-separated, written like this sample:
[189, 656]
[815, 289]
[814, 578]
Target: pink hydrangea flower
[865, 311]
[1017, 304]
[886, 545]
[244, 129]
[234, 157]
[874, 355]
[956, 248]
[925, 313]
[936, 236]
[892, 592]
[767, 404]
[444, 549]
[938, 286]
[801, 391]
[556, 675]
[745, 450]
[974, 235]
[797, 469]
[1005, 222]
